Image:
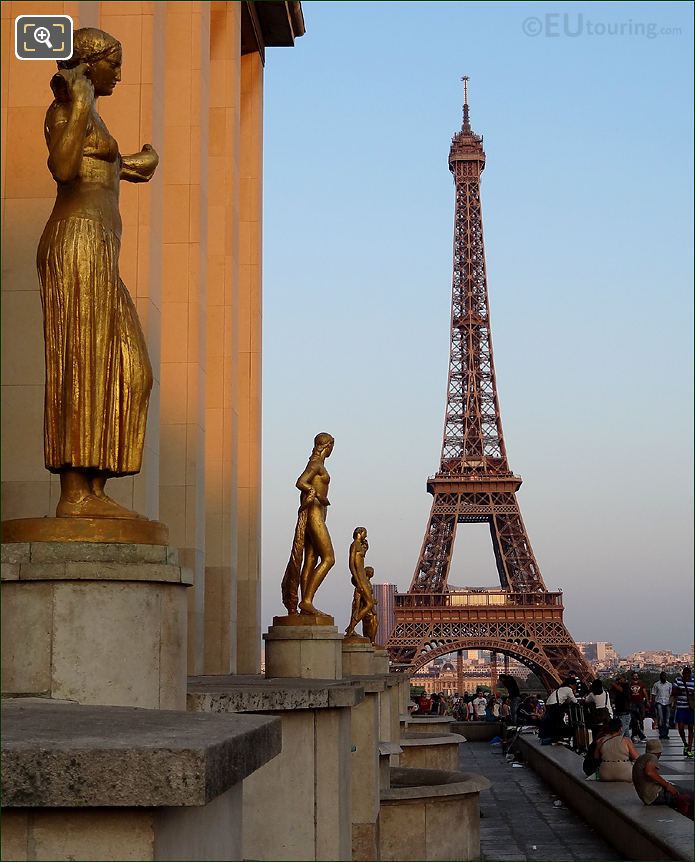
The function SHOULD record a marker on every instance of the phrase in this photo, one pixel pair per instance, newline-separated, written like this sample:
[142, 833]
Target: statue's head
[369, 572]
[101, 53]
[323, 444]
[360, 532]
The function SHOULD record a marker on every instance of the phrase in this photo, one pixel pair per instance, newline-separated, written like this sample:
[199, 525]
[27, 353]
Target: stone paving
[518, 818]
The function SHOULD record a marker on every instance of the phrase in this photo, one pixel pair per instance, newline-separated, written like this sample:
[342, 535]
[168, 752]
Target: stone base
[431, 814]
[381, 660]
[358, 658]
[116, 530]
[303, 652]
[96, 623]
[304, 620]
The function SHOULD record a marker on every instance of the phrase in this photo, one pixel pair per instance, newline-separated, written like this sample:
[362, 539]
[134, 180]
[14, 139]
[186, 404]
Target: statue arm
[304, 484]
[140, 167]
[66, 129]
[67, 121]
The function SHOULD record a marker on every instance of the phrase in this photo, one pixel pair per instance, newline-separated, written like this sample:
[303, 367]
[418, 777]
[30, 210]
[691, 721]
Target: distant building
[385, 594]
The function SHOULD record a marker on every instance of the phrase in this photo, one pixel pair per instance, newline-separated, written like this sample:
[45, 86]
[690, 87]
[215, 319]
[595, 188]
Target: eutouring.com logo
[557, 25]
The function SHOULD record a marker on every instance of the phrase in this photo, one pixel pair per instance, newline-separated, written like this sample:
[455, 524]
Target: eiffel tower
[474, 484]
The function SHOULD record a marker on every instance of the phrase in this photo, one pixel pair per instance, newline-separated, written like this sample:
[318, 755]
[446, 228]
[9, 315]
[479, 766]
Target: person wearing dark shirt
[682, 696]
[620, 691]
[638, 700]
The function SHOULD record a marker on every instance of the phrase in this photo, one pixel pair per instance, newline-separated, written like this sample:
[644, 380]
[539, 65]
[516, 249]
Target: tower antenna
[466, 118]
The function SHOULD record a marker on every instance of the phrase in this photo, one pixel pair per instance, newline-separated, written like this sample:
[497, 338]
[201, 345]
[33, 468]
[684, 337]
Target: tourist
[492, 713]
[682, 699]
[652, 788]
[424, 704]
[512, 687]
[527, 711]
[638, 701]
[615, 752]
[479, 706]
[557, 707]
[620, 691]
[436, 700]
[600, 710]
[661, 699]
[505, 711]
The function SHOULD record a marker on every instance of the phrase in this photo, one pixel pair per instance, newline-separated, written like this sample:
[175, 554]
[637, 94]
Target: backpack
[590, 764]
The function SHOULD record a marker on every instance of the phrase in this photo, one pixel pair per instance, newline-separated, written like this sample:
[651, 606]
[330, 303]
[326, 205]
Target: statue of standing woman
[312, 554]
[98, 373]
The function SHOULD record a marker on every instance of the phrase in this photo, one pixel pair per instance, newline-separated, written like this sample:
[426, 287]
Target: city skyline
[358, 279]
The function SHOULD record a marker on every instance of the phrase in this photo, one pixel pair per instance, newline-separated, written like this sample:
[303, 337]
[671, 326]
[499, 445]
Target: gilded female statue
[312, 554]
[363, 600]
[98, 374]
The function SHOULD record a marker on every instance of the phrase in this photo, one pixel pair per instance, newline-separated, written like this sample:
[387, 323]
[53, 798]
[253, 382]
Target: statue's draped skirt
[98, 373]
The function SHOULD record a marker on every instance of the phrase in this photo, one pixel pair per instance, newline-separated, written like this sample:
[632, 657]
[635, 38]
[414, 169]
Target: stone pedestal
[303, 652]
[365, 772]
[94, 622]
[298, 806]
[431, 814]
[358, 657]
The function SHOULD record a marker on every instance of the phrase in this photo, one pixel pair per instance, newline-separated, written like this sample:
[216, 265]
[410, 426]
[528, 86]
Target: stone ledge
[613, 808]
[258, 694]
[112, 552]
[68, 755]
[372, 684]
[100, 571]
[420, 739]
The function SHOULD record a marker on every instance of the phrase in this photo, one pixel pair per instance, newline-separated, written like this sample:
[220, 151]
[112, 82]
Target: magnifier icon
[43, 36]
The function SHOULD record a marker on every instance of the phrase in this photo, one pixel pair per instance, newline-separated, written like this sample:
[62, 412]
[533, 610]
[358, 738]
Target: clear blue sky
[587, 212]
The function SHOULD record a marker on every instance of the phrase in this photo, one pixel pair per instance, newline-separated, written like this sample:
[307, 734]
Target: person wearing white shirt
[661, 699]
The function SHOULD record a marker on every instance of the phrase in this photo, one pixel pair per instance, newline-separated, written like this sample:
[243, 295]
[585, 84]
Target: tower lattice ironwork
[474, 484]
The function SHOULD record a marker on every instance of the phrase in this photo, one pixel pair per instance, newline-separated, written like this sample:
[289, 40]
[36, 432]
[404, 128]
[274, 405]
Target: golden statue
[370, 622]
[98, 373]
[312, 554]
[363, 603]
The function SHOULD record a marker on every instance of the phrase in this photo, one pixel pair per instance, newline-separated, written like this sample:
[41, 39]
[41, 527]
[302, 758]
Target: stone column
[222, 309]
[247, 393]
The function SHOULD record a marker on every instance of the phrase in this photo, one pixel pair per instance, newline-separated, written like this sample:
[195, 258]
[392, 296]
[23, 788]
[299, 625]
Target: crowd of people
[615, 719]
[612, 716]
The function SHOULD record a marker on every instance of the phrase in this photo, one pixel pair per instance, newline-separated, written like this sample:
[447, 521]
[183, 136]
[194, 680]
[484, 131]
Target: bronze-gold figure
[312, 554]
[370, 622]
[363, 602]
[98, 373]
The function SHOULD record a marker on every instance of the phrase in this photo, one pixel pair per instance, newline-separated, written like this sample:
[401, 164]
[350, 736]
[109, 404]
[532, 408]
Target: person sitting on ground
[652, 788]
[600, 711]
[615, 752]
